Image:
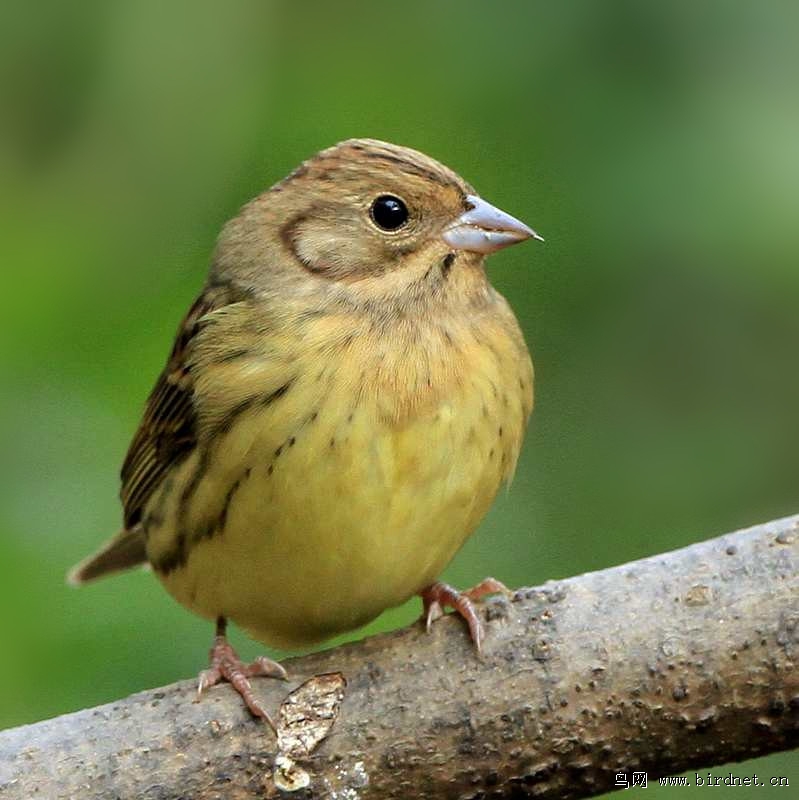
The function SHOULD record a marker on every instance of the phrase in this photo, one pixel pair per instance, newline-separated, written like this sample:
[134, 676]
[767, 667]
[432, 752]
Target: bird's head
[374, 218]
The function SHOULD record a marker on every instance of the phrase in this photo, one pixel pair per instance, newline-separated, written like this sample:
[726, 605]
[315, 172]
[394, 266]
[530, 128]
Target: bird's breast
[351, 490]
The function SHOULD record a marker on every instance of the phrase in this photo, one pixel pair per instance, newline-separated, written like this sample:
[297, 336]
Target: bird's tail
[125, 550]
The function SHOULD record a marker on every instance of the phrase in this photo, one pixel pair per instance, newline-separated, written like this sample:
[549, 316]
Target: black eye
[389, 212]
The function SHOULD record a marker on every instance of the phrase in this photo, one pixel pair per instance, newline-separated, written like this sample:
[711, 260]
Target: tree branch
[683, 660]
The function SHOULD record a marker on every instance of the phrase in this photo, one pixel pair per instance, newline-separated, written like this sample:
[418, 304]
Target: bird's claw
[439, 595]
[226, 665]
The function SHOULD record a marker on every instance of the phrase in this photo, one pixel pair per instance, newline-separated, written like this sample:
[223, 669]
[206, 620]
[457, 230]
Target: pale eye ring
[389, 213]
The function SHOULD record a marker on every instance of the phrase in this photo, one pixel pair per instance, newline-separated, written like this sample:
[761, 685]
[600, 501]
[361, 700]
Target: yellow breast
[352, 483]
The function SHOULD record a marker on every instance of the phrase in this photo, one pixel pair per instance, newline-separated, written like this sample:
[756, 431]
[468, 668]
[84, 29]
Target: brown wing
[167, 433]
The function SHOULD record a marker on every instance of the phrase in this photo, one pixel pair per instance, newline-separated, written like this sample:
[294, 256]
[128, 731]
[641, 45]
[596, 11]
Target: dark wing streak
[167, 433]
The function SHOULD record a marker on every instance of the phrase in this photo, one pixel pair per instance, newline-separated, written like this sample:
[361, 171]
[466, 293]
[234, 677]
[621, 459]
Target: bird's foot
[227, 666]
[440, 595]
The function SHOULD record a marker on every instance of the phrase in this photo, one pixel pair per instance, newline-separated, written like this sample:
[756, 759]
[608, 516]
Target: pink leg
[439, 595]
[226, 665]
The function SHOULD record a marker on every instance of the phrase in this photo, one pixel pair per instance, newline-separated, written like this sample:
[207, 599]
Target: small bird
[339, 409]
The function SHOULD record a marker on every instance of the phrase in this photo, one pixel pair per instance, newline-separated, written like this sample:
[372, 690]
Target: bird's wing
[167, 433]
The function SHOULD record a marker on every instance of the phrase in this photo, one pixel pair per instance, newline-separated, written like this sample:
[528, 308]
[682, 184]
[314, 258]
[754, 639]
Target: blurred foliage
[655, 145]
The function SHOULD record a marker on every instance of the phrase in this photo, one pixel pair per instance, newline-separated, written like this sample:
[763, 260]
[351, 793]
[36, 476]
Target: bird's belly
[303, 533]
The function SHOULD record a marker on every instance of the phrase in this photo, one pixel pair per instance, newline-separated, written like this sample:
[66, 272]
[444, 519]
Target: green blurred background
[654, 145]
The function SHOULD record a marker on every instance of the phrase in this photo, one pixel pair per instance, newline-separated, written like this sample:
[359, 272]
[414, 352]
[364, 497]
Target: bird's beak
[484, 229]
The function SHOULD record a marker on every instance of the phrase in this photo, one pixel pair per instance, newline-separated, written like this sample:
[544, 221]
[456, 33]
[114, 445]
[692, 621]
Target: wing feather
[167, 433]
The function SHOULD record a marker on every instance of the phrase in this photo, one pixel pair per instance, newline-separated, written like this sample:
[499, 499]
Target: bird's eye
[389, 212]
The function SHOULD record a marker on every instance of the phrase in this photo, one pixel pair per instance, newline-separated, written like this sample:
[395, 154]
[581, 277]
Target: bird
[338, 411]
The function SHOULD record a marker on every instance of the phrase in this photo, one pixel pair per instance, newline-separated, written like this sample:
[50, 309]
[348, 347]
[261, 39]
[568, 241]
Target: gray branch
[688, 659]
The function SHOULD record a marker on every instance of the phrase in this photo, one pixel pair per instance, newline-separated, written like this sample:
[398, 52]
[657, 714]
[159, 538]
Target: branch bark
[687, 659]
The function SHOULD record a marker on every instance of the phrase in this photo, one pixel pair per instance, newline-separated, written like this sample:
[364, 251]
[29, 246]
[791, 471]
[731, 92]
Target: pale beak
[484, 229]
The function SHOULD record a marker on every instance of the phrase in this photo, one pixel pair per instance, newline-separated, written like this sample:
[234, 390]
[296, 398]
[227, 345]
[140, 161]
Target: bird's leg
[226, 665]
[439, 595]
